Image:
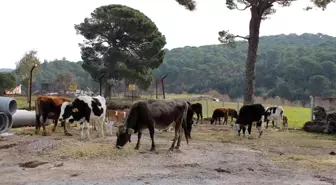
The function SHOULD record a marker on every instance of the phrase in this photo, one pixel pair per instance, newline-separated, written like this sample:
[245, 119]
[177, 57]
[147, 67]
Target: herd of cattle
[146, 114]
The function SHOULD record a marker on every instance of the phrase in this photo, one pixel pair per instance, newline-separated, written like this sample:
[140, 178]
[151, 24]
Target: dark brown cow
[197, 108]
[217, 114]
[155, 114]
[49, 106]
[232, 113]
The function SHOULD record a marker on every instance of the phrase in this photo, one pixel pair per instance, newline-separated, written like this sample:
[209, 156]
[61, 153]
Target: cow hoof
[37, 132]
[177, 147]
[137, 148]
[152, 149]
[67, 134]
[171, 149]
[44, 133]
[53, 130]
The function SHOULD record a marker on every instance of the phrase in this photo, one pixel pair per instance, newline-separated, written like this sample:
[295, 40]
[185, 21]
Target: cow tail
[184, 122]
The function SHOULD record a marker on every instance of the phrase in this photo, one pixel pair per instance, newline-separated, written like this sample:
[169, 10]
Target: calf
[232, 113]
[197, 108]
[49, 106]
[273, 114]
[217, 114]
[85, 109]
[159, 114]
[249, 114]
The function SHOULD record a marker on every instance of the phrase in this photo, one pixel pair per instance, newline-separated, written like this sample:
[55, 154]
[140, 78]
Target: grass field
[297, 116]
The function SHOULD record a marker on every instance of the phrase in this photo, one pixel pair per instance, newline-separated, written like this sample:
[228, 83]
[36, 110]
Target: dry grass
[298, 148]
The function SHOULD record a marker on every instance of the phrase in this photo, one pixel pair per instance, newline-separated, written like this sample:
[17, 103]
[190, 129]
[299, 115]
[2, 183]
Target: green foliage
[121, 43]
[286, 66]
[57, 68]
[25, 65]
[7, 80]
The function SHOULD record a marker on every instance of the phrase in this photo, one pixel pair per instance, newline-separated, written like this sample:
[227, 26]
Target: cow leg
[38, 124]
[249, 128]
[81, 125]
[137, 146]
[151, 134]
[226, 120]
[44, 120]
[197, 118]
[260, 127]
[273, 123]
[101, 125]
[177, 130]
[267, 124]
[86, 128]
[55, 123]
[65, 128]
[238, 129]
[244, 129]
[179, 138]
[201, 117]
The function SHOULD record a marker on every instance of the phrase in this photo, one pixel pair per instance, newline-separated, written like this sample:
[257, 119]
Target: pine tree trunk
[251, 56]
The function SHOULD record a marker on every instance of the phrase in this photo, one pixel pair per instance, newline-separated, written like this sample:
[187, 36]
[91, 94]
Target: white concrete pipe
[23, 118]
[8, 105]
[4, 122]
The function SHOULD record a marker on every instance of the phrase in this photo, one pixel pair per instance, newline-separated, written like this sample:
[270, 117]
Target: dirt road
[214, 156]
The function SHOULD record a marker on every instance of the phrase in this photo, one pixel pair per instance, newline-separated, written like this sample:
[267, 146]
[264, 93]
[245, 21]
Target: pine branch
[229, 39]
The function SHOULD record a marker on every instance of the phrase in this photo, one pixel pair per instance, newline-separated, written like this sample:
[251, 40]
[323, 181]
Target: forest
[290, 66]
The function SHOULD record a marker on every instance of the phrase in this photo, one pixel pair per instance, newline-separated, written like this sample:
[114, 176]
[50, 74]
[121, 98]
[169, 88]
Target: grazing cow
[85, 109]
[217, 114]
[249, 114]
[232, 113]
[197, 108]
[155, 114]
[273, 114]
[49, 107]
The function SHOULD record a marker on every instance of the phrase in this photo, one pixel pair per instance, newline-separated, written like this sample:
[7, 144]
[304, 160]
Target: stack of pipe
[8, 107]
[11, 117]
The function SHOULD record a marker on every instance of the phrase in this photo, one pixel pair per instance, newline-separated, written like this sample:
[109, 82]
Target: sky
[48, 26]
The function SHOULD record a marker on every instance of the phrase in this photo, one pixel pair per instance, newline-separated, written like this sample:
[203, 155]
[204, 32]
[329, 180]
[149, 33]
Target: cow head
[66, 112]
[212, 120]
[123, 136]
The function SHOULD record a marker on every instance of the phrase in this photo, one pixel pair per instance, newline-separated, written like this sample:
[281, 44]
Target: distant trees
[24, 66]
[7, 81]
[286, 64]
[63, 81]
[260, 10]
[121, 43]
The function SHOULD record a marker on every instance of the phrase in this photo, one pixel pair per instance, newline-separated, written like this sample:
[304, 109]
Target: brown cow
[46, 105]
[218, 113]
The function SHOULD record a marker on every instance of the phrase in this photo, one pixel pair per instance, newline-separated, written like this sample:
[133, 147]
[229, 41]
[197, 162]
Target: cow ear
[130, 131]
[74, 110]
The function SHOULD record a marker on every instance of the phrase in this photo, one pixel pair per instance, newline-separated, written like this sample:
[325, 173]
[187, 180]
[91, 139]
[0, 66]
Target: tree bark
[253, 43]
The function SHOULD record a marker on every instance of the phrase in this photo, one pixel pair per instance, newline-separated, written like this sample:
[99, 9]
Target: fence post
[207, 108]
[223, 104]
[238, 106]
[311, 107]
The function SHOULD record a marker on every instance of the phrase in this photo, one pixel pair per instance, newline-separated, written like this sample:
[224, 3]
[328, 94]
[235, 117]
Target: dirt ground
[215, 155]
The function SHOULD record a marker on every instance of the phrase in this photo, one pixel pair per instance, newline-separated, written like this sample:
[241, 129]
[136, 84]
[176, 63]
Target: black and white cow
[85, 109]
[273, 114]
[249, 114]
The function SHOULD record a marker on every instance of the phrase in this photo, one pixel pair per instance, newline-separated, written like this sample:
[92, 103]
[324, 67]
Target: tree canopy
[25, 65]
[121, 43]
[290, 66]
[7, 81]
[260, 10]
